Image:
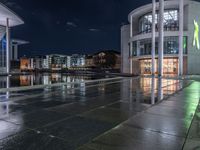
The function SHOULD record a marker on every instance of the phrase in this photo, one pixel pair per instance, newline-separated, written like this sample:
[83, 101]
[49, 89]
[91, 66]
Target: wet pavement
[117, 114]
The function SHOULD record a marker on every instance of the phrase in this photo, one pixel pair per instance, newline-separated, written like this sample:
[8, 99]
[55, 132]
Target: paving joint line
[186, 138]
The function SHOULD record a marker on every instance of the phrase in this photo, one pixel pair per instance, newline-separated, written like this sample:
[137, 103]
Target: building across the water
[58, 62]
[8, 19]
[107, 59]
[181, 24]
[14, 54]
[77, 60]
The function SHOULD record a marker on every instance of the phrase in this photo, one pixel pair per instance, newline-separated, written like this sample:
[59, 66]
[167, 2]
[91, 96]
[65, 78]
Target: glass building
[136, 39]
[3, 53]
[8, 19]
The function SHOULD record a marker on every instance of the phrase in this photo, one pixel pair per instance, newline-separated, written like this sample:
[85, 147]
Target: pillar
[153, 90]
[15, 52]
[160, 89]
[181, 13]
[161, 38]
[153, 36]
[131, 46]
[7, 47]
[131, 27]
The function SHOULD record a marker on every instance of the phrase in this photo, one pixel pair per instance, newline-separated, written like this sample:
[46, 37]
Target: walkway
[119, 114]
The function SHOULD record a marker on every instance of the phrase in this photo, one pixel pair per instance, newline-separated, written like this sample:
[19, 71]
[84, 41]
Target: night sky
[70, 26]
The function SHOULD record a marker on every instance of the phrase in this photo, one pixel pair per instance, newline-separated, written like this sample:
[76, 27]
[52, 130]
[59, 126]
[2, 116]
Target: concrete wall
[125, 36]
[193, 52]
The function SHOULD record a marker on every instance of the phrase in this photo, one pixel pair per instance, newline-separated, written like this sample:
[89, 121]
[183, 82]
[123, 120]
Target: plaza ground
[115, 114]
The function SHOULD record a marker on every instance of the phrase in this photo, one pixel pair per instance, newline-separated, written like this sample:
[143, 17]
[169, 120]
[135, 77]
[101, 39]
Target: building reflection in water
[149, 90]
[43, 79]
[153, 90]
[5, 104]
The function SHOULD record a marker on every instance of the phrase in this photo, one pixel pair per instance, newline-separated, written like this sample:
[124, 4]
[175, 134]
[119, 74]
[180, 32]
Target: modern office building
[58, 62]
[38, 62]
[48, 62]
[77, 60]
[26, 64]
[14, 54]
[89, 61]
[164, 32]
[14, 50]
[8, 19]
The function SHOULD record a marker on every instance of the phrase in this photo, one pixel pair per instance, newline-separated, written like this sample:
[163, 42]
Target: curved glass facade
[3, 52]
[171, 21]
[171, 46]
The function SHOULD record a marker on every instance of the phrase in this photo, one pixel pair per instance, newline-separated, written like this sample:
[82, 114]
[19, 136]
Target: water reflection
[151, 90]
[43, 79]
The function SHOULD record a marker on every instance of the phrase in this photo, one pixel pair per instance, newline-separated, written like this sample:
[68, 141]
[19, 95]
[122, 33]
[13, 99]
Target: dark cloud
[12, 5]
[71, 24]
[94, 30]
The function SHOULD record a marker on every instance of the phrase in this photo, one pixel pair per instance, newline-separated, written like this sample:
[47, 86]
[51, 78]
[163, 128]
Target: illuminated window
[170, 66]
[134, 46]
[171, 22]
[171, 46]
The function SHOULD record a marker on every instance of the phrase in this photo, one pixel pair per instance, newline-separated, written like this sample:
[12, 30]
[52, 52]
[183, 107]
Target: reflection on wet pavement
[68, 117]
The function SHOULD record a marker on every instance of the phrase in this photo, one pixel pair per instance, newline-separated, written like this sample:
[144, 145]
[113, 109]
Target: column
[131, 27]
[131, 45]
[130, 57]
[160, 89]
[153, 90]
[161, 38]
[15, 52]
[7, 47]
[181, 13]
[153, 36]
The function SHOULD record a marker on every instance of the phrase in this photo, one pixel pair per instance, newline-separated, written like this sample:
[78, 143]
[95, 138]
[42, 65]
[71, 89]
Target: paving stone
[161, 124]
[33, 141]
[192, 145]
[110, 115]
[128, 138]
[77, 130]
[172, 112]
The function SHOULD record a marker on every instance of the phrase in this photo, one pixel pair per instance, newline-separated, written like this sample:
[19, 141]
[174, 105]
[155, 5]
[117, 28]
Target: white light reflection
[153, 90]
[6, 128]
[160, 89]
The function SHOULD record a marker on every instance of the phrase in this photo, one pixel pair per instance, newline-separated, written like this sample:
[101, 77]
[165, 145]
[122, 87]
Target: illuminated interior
[170, 66]
[170, 21]
[24, 64]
